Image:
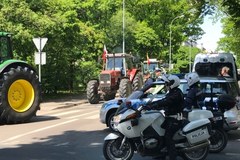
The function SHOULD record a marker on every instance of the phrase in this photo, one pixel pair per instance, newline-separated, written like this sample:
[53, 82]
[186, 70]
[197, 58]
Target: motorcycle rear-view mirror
[129, 104]
[119, 102]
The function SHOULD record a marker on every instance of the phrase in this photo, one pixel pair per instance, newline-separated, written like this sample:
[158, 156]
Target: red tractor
[119, 74]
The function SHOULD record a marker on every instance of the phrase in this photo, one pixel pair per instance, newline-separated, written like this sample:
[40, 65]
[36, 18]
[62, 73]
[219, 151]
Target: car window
[219, 88]
[184, 87]
[206, 88]
[214, 88]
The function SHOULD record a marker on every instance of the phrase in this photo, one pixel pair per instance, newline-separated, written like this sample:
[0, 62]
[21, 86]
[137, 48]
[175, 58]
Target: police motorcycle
[214, 110]
[139, 129]
[219, 138]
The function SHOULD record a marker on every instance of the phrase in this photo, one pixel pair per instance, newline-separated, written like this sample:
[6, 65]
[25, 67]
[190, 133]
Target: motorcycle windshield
[145, 95]
[135, 96]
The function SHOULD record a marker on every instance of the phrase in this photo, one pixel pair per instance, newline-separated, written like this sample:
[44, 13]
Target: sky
[212, 34]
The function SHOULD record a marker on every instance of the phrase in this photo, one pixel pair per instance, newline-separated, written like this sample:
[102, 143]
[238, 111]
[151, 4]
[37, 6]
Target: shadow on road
[234, 135]
[71, 145]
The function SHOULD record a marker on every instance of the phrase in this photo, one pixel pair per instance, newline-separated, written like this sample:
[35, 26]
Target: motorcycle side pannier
[226, 102]
[197, 131]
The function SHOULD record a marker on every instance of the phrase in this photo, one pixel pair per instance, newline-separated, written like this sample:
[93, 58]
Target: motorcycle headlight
[116, 119]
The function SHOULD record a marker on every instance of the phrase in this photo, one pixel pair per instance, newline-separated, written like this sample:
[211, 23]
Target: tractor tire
[92, 92]
[125, 88]
[109, 96]
[20, 95]
[137, 82]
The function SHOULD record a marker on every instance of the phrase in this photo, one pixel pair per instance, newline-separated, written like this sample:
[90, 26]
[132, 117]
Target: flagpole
[123, 28]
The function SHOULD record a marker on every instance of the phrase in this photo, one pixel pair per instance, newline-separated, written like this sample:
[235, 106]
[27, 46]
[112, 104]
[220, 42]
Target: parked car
[109, 108]
[212, 87]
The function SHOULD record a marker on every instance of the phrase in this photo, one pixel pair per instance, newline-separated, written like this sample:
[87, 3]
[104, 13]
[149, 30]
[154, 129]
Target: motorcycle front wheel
[112, 150]
[198, 154]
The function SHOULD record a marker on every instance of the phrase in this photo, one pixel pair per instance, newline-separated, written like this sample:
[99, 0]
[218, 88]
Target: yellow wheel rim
[21, 95]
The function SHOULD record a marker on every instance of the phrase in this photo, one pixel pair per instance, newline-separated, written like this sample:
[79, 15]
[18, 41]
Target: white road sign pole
[39, 66]
[40, 43]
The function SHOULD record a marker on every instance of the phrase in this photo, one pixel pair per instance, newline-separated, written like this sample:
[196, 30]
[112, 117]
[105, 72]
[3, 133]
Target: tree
[77, 30]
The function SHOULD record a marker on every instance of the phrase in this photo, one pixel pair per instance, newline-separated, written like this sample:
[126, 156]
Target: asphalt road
[72, 131]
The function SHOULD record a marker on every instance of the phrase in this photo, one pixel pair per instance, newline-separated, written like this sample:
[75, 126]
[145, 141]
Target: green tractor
[20, 92]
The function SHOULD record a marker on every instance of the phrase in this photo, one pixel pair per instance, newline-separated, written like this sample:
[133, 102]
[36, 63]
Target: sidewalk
[63, 103]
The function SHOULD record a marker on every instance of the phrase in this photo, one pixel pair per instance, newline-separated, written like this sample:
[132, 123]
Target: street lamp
[170, 40]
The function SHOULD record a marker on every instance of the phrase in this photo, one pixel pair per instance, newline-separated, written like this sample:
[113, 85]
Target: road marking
[65, 113]
[95, 144]
[92, 117]
[37, 130]
[232, 154]
[77, 116]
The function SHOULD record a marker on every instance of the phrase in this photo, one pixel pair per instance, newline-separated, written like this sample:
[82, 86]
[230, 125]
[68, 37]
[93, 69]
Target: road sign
[43, 58]
[40, 57]
[40, 43]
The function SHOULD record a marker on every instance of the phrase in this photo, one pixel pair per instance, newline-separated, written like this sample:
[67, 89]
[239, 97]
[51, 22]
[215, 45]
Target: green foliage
[184, 58]
[77, 30]
[231, 27]
[86, 71]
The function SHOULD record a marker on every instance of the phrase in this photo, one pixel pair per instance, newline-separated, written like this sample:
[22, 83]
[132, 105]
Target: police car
[212, 87]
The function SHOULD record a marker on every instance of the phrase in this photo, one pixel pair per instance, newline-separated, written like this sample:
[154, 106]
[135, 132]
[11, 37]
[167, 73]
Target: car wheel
[110, 122]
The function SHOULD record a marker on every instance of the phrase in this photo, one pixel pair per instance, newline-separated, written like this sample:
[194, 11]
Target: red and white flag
[148, 60]
[105, 52]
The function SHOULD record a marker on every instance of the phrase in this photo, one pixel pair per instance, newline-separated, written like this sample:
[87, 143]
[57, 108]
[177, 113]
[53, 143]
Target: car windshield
[151, 67]
[135, 95]
[118, 63]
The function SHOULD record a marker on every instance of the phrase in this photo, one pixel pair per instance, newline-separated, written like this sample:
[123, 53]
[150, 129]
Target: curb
[53, 105]
[71, 105]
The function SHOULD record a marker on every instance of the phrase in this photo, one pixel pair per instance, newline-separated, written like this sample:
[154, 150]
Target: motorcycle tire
[112, 151]
[198, 154]
[218, 141]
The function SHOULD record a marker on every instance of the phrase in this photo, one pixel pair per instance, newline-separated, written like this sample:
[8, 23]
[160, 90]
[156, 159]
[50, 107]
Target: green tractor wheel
[19, 95]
